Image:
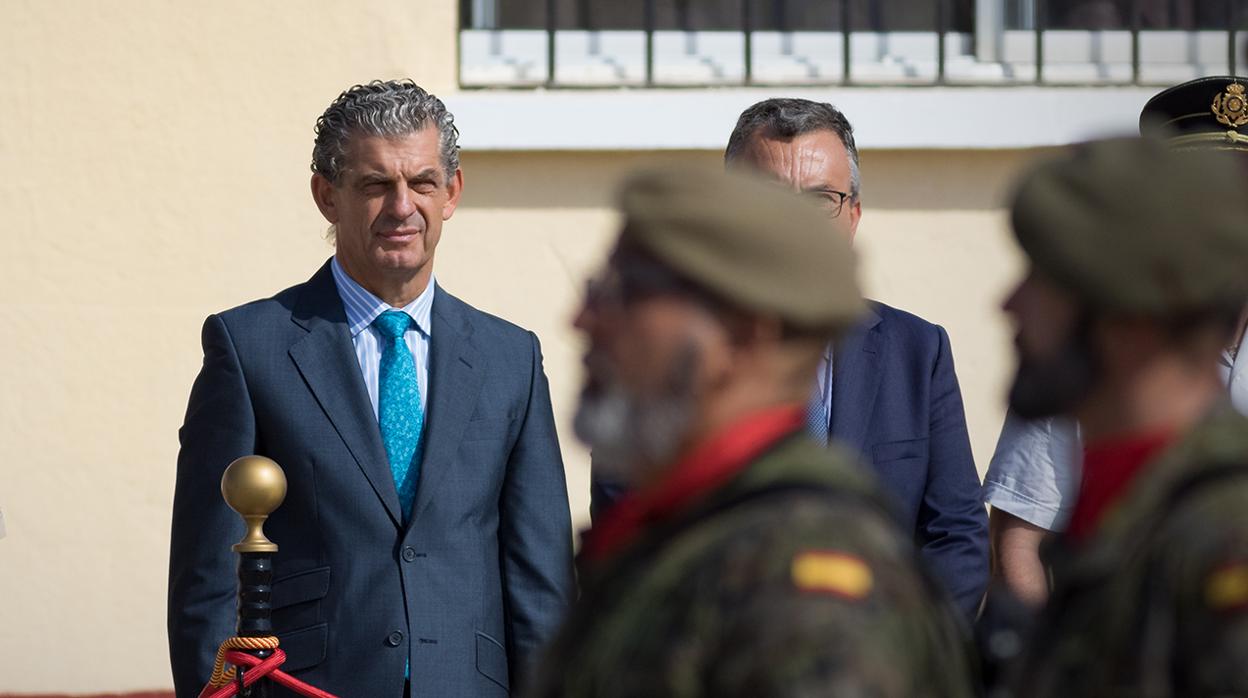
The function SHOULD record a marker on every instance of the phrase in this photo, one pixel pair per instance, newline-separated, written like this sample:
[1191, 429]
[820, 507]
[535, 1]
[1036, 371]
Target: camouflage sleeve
[808, 599]
[1197, 603]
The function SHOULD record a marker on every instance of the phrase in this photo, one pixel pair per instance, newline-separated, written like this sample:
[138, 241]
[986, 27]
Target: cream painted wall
[933, 241]
[154, 159]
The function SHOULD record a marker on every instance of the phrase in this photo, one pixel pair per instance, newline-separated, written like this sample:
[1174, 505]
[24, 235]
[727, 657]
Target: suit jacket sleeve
[218, 428]
[535, 530]
[952, 524]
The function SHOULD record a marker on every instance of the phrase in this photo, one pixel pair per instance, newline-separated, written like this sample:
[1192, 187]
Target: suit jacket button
[394, 639]
[409, 554]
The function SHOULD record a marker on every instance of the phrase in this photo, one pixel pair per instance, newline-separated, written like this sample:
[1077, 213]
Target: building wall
[933, 240]
[154, 161]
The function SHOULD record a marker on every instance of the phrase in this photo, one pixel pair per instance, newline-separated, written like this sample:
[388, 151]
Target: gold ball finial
[254, 486]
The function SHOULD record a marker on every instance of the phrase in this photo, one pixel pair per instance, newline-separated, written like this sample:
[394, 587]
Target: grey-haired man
[425, 540]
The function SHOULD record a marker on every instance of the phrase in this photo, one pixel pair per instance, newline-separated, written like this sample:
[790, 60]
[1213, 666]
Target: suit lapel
[855, 381]
[326, 360]
[456, 374]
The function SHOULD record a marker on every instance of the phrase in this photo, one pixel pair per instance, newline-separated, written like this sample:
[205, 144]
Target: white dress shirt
[362, 308]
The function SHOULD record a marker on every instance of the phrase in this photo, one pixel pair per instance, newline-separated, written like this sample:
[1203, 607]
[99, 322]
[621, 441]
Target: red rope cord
[257, 669]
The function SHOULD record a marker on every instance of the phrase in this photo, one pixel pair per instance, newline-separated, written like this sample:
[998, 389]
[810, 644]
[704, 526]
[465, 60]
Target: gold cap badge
[1230, 108]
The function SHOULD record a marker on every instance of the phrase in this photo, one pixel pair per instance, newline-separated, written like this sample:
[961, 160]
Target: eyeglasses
[830, 200]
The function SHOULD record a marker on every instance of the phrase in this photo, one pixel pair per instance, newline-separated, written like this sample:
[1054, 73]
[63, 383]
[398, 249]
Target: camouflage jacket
[791, 580]
[1155, 602]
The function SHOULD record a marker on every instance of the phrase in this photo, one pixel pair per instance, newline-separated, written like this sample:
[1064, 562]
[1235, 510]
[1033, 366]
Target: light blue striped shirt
[362, 308]
[823, 384]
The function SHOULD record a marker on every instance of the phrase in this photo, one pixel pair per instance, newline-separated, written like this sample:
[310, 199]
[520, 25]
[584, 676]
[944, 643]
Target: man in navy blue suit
[425, 540]
[889, 389]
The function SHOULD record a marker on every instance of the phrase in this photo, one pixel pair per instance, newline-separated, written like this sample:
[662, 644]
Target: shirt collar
[363, 307]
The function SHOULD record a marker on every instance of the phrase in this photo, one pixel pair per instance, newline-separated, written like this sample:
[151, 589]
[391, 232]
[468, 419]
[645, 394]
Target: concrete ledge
[886, 117]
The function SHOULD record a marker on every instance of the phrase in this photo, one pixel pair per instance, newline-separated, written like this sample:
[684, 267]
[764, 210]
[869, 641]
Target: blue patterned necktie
[399, 413]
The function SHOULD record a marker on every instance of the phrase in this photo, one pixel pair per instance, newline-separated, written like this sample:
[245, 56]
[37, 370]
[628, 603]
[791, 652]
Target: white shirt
[362, 308]
[824, 385]
[1234, 372]
[1035, 473]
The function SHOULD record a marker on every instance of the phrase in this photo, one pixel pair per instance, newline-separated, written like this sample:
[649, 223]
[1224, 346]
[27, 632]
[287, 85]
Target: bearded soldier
[1138, 254]
[747, 560]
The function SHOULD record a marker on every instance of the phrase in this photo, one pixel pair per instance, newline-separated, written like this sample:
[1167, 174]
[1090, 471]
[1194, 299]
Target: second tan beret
[747, 240]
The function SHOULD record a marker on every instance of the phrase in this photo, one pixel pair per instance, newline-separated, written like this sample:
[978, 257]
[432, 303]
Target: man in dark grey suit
[425, 540]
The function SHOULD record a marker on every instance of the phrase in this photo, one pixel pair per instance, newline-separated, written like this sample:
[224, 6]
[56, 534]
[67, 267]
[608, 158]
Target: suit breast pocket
[899, 450]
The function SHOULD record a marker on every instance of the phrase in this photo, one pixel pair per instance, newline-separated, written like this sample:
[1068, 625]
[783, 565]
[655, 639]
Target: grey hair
[784, 118]
[393, 108]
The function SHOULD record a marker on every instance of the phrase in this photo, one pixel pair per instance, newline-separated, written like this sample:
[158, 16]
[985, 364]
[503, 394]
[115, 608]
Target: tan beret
[1133, 226]
[746, 240]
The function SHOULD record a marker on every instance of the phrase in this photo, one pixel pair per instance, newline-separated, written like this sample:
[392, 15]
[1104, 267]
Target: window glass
[1116, 14]
[720, 15]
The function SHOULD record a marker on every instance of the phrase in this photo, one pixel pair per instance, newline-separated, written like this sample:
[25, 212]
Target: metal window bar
[550, 42]
[1038, 8]
[648, 24]
[1232, 18]
[585, 15]
[483, 16]
[1134, 9]
[846, 74]
[747, 26]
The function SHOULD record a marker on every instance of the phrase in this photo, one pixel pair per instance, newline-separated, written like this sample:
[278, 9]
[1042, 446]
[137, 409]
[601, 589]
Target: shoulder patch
[1226, 588]
[832, 572]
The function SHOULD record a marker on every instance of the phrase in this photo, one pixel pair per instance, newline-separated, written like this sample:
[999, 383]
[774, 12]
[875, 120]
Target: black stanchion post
[255, 577]
[254, 486]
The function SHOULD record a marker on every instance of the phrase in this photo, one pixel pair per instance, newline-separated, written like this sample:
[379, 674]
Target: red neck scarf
[1109, 467]
[706, 467]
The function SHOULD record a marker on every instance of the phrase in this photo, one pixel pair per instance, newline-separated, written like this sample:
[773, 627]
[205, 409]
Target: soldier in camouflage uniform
[1139, 268]
[748, 561]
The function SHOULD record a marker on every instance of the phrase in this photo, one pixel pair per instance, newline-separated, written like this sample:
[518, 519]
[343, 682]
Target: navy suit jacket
[896, 401]
[463, 593]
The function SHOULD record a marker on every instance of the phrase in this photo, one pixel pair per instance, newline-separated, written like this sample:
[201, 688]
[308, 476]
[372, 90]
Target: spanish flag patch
[830, 572]
[1227, 587]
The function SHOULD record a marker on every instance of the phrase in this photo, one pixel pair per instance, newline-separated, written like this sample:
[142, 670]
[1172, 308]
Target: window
[664, 43]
